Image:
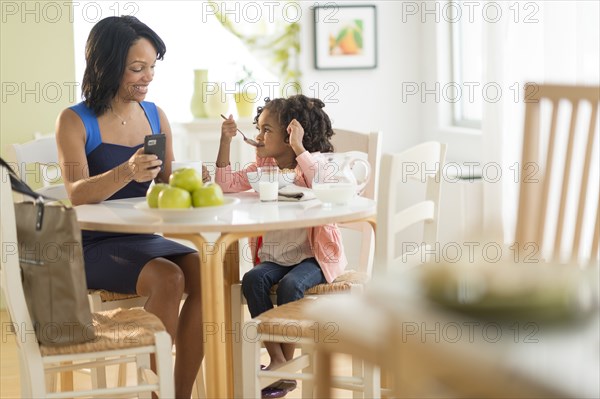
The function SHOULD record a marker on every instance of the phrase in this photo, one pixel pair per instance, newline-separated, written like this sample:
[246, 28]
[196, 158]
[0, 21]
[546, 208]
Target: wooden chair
[366, 146]
[43, 154]
[422, 163]
[114, 345]
[358, 272]
[557, 181]
[363, 145]
[292, 322]
[367, 143]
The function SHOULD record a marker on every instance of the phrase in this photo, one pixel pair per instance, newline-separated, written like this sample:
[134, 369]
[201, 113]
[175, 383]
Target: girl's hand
[143, 167]
[295, 134]
[228, 130]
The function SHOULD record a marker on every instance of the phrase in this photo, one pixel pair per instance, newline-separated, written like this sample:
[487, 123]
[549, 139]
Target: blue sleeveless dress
[113, 261]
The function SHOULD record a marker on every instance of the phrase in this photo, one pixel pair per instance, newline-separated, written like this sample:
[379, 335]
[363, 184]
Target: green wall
[37, 68]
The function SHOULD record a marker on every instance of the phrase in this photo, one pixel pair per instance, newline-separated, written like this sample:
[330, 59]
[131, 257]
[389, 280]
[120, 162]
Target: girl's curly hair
[309, 112]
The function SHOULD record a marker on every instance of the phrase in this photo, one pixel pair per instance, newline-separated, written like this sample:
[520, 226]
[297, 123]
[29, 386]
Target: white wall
[366, 99]
[371, 99]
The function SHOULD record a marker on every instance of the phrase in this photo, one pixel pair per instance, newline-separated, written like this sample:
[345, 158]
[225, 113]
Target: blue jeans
[293, 281]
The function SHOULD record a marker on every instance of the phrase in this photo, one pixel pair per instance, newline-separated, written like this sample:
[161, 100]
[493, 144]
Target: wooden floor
[9, 371]
[9, 362]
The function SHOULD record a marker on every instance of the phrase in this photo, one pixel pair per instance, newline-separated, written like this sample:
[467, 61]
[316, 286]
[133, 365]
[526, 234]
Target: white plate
[206, 212]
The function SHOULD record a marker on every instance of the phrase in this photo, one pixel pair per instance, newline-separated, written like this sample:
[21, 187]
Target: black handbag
[52, 266]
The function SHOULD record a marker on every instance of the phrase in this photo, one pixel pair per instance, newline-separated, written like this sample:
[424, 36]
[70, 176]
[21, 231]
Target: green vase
[197, 105]
[217, 101]
[244, 102]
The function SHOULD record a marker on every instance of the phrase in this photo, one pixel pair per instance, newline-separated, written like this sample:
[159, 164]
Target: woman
[100, 151]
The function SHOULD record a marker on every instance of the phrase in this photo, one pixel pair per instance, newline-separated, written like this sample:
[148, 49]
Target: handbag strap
[21, 187]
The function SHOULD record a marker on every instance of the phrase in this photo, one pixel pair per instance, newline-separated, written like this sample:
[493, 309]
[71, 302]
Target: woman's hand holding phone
[144, 167]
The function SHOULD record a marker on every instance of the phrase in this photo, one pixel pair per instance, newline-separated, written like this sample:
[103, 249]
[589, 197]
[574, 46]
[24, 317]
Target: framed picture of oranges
[345, 36]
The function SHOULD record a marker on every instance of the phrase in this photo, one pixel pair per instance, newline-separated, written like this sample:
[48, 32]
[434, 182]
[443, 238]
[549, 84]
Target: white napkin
[295, 193]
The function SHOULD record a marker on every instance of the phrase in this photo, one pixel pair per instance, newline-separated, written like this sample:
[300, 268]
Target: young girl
[290, 130]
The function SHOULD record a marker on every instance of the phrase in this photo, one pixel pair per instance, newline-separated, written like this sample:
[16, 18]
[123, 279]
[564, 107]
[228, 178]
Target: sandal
[278, 389]
[270, 393]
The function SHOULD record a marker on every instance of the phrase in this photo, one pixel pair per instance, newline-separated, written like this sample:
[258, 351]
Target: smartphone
[155, 144]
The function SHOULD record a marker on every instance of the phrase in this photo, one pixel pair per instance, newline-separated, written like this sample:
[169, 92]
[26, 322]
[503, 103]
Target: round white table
[249, 218]
[432, 351]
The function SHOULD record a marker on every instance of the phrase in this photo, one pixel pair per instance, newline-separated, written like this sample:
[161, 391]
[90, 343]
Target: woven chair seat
[115, 329]
[109, 296]
[288, 320]
[343, 283]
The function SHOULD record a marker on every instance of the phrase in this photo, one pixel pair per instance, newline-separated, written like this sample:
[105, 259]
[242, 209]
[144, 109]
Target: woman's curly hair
[309, 112]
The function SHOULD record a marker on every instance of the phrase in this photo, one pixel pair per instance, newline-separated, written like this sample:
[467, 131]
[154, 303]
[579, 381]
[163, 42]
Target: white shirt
[285, 247]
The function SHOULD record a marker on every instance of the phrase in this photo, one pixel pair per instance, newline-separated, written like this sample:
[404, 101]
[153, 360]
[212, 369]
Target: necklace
[123, 121]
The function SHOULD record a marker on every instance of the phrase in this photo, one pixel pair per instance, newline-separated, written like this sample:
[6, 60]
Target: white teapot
[339, 177]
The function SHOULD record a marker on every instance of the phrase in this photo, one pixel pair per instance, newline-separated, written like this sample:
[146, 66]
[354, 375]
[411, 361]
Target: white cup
[187, 164]
[268, 185]
[268, 190]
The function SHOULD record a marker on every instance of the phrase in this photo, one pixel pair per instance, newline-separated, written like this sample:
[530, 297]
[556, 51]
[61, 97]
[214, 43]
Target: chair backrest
[369, 144]
[558, 203]
[43, 153]
[12, 284]
[422, 163]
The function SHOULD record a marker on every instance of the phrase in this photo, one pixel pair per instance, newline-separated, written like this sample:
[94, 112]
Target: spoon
[246, 139]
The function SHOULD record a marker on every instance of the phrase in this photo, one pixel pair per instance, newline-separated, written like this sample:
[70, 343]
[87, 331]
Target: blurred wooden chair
[366, 146]
[114, 345]
[559, 174]
[558, 221]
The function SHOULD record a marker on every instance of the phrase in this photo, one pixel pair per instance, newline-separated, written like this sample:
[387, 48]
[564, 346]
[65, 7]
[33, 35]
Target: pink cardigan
[325, 241]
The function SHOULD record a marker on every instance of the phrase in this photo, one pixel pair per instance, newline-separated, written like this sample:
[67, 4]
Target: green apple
[174, 198]
[152, 194]
[186, 178]
[209, 194]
